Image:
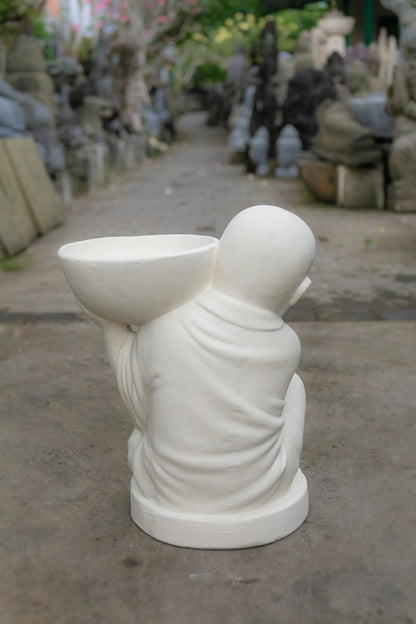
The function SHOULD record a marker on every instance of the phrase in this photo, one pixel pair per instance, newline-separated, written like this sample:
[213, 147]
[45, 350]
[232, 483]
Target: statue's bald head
[264, 256]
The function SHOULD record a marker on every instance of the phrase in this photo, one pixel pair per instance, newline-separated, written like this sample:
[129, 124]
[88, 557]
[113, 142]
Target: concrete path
[69, 552]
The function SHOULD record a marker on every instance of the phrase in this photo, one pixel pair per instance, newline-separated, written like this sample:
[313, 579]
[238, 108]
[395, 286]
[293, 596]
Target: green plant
[13, 263]
[17, 14]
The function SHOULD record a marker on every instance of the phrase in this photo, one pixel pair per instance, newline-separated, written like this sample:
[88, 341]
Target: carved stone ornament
[209, 378]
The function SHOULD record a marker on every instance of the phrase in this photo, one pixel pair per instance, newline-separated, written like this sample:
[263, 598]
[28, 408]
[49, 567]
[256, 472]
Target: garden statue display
[210, 376]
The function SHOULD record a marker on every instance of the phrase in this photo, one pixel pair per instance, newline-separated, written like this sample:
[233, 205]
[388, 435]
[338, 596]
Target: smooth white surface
[134, 279]
[243, 529]
[212, 388]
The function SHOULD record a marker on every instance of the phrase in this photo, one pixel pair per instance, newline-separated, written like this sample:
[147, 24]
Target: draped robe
[217, 406]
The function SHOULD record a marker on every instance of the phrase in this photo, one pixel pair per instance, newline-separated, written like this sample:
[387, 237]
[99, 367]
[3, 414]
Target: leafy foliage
[212, 43]
[14, 13]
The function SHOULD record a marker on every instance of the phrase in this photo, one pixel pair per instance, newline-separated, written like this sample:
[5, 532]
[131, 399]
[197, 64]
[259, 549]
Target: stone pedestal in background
[360, 188]
[88, 166]
[319, 176]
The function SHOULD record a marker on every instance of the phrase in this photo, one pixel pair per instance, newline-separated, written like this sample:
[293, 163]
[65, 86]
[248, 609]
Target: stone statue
[374, 69]
[336, 27]
[92, 113]
[26, 71]
[342, 139]
[307, 89]
[401, 102]
[303, 54]
[20, 115]
[265, 102]
[357, 79]
[258, 151]
[406, 12]
[211, 385]
[237, 73]
[288, 148]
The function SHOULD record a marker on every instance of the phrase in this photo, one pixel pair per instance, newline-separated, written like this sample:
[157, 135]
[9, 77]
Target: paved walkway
[69, 552]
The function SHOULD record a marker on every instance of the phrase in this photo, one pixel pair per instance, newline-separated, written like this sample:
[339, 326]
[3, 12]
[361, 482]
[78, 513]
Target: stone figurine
[342, 139]
[26, 71]
[288, 148]
[264, 101]
[357, 79]
[210, 379]
[401, 102]
[406, 12]
[259, 151]
[307, 89]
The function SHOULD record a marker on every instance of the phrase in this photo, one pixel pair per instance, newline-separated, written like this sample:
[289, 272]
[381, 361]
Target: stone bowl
[336, 23]
[134, 279]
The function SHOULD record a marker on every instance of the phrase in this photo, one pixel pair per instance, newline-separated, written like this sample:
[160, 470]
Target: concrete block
[360, 188]
[41, 199]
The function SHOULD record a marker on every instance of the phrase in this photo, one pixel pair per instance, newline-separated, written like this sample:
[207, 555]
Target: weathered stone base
[319, 176]
[88, 167]
[401, 196]
[94, 165]
[360, 188]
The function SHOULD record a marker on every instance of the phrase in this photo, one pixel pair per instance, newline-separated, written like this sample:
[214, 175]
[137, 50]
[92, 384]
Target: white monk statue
[213, 392]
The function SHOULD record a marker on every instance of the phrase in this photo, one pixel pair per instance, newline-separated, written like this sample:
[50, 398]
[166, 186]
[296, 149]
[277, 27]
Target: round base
[234, 530]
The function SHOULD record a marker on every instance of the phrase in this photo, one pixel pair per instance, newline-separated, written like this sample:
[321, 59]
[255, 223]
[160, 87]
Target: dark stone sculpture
[341, 138]
[265, 102]
[307, 89]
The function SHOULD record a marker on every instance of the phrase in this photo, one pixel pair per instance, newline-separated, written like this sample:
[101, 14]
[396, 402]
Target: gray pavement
[69, 552]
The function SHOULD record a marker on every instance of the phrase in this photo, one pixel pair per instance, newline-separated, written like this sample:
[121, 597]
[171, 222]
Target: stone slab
[36, 186]
[17, 227]
[360, 188]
